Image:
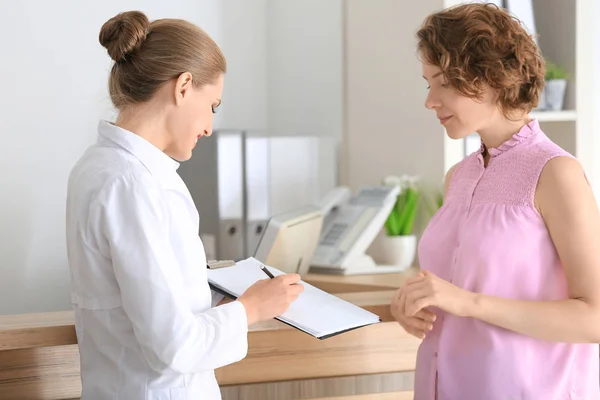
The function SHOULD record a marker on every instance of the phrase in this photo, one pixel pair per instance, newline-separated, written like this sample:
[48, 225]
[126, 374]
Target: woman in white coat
[146, 320]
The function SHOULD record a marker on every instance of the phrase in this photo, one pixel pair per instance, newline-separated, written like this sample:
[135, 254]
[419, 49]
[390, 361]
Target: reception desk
[39, 357]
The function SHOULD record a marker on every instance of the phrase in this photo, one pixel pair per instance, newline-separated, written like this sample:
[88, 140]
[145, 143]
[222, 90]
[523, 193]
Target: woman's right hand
[418, 325]
[269, 298]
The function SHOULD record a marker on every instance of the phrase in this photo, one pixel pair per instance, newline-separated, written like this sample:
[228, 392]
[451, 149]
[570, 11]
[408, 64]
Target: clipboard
[315, 312]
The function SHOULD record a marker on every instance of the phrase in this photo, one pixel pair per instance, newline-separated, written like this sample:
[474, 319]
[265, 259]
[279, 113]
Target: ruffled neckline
[526, 132]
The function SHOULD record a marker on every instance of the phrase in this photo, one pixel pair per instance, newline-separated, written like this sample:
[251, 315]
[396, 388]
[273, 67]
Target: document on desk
[315, 312]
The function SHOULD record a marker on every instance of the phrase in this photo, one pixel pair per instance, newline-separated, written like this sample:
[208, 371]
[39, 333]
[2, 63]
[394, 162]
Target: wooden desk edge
[37, 330]
[275, 356]
[352, 283]
[276, 352]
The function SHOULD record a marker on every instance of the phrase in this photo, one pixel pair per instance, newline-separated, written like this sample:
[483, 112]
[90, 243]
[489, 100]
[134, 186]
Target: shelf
[554, 116]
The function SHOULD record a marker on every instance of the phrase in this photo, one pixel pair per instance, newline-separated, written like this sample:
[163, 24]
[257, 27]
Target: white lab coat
[143, 315]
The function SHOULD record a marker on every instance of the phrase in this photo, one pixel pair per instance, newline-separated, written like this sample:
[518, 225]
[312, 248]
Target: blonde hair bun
[124, 33]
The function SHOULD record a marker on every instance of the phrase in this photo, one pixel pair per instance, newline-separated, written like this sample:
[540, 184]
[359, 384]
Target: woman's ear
[183, 87]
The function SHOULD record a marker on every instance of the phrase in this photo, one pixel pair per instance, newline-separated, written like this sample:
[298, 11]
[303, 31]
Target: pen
[266, 271]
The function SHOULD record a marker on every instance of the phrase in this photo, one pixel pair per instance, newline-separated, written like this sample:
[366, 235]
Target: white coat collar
[149, 155]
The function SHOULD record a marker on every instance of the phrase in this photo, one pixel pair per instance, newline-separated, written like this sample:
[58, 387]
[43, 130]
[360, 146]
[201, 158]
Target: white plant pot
[554, 94]
[542, 101]
[394, 250]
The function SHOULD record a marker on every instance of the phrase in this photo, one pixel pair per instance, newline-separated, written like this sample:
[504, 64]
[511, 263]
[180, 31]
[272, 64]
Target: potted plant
[396, 244]
[553, 95]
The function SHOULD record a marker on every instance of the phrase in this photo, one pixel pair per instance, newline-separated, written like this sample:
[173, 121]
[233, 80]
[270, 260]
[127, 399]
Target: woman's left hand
[427, 290]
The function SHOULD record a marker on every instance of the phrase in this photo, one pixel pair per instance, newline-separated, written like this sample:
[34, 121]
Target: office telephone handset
[350, 226]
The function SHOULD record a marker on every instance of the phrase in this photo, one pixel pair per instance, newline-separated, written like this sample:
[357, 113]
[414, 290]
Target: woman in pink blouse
[508, 300]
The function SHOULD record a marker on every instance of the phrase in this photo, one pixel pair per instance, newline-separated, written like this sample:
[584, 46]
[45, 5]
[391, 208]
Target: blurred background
[318, 94]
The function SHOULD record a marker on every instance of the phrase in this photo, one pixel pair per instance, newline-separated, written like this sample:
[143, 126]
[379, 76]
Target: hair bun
[124, 33]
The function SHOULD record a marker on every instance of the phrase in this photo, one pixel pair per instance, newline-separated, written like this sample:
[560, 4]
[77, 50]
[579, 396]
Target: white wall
[388, 129]
[244, 43]
[285, 66]
[285, 72]
[53, 77]
[305, 63]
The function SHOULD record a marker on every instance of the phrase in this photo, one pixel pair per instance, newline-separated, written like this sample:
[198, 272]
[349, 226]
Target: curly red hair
[478, 45]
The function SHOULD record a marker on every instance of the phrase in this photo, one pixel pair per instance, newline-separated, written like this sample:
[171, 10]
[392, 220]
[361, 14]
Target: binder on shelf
[315, 312]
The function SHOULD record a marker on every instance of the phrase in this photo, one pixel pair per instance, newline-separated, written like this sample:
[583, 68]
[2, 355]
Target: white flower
[392, 180]
[411, 181]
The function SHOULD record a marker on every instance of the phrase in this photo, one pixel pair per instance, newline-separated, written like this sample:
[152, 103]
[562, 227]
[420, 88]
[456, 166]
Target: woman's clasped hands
[411, 303]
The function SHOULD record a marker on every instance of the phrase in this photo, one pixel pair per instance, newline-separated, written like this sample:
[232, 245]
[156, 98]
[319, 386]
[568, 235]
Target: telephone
[350, 226]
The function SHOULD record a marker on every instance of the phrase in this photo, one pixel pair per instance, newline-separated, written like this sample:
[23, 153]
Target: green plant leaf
[409, 214]
[406, 210]
[411, 218]
[401, 201]
[554, 71]
[391, 224]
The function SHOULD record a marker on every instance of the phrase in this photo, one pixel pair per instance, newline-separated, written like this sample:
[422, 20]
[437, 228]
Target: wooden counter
[359, 283]
[58, 328]
[39, 356]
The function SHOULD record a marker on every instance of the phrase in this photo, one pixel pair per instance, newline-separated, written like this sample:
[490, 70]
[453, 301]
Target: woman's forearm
[570, 320]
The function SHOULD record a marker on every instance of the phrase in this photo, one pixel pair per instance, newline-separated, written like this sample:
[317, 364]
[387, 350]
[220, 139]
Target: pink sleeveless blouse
[489, 238]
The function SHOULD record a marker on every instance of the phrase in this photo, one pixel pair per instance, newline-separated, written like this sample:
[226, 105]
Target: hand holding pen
[266, 271]
[269, 298]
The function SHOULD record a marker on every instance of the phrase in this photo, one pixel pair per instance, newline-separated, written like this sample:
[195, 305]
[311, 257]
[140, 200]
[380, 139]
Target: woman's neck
[502, 129]
[145, 121]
